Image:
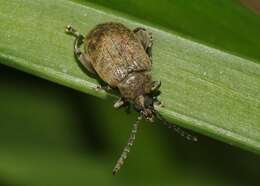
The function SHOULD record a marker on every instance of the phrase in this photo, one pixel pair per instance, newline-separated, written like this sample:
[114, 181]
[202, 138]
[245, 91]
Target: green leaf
[204, 89]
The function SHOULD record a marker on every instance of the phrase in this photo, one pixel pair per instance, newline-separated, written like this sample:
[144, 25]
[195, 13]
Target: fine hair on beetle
[122, 59]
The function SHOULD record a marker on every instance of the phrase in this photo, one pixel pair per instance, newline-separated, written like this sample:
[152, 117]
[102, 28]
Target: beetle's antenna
[177, 129]
[127, 148]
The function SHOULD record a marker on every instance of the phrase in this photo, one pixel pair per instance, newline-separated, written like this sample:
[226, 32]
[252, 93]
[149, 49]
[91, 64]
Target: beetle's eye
[148, 101]
[138, 108]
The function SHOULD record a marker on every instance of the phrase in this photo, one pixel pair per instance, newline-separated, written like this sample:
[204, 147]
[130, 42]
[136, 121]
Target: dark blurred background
[229, 25]
[53, 135]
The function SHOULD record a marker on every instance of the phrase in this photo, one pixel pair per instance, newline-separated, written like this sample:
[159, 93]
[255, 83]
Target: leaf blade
[204, 89]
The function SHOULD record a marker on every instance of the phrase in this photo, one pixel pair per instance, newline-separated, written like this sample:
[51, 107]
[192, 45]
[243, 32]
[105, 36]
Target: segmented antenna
[177, 129]
[127, 148]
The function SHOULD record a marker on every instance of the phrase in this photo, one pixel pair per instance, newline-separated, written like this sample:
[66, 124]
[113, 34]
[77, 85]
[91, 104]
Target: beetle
[122, 58]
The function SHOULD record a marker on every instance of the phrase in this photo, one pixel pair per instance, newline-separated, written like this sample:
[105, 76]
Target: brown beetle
[122, 59]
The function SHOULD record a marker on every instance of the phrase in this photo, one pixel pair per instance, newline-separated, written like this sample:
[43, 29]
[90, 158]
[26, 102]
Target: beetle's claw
[68, 28]
[158, 103]
[98, 88]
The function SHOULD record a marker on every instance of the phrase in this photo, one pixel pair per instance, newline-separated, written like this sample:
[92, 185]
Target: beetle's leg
[158, 103]
[146, 39]
[156, 85]
[119, 103]
[103, 87]
[155, 92]
[81, 57]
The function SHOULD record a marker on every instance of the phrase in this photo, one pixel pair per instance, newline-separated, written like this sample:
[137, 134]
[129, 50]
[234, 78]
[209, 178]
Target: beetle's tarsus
[69, 29]
[119, 103]
[98, 88]
[103, 87]
[72, 31]
[158, 103]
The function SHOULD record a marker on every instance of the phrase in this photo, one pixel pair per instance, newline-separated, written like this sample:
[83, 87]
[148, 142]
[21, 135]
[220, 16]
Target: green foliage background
[52, 135]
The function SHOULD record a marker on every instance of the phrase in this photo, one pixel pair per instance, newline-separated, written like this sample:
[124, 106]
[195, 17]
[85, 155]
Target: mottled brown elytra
[122, 58]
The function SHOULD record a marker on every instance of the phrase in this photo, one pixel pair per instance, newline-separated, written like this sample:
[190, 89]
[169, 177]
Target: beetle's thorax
[135, 84]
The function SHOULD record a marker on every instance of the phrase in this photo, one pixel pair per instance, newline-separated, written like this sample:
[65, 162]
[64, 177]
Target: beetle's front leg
[83, 58]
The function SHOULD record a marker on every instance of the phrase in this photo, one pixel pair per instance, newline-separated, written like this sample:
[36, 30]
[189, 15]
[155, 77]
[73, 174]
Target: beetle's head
[144, 105]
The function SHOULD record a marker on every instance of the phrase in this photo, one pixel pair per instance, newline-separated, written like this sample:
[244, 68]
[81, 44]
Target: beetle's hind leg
[84, 59]
[146, 39]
